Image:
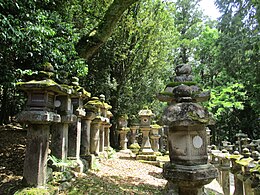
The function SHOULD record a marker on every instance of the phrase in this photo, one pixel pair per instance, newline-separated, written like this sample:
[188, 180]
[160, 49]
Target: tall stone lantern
[145, 116]
[105, 125]
[39, 114]
[188, 170]
[77, 98]
[94, 105]
[154, 135]
[122, 130]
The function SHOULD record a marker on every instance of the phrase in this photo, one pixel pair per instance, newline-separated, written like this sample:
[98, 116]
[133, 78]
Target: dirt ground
[12, 151]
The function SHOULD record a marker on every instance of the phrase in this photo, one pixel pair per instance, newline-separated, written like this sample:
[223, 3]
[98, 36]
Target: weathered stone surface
[190, 175]
[183, 78]
[187, 114]
[35, 162]
[183, 69]
[38, 117]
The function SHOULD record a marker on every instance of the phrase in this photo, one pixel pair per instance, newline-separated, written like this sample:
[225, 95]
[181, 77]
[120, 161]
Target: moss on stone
[196, 117]
[50, 190]
[123, 116]
[256, 169]
[174, 84]
[244, 161]
[134, 146]
[236, 157]
[156, 126]
[107, 106]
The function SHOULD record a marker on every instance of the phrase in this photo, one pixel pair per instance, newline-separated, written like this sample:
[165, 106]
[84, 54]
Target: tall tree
[133, 65]
[89, 43]
[188, 18]
[239, 56]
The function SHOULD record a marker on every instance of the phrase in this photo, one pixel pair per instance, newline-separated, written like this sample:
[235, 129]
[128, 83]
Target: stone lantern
[85, 134]
[107, 130]
[105, 125]
[75, 129]
[145, 116]
[188, 170]
[39, 114]
[154, 135]
[239, 136]
[146, 152]
[59, 131]
[134, 126]
[123, 130]
[94, 105]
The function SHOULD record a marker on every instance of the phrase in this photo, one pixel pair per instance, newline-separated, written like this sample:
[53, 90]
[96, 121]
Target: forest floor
[121, 174]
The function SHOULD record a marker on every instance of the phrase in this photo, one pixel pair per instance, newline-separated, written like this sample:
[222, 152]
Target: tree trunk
[89, 44]
[4, 113]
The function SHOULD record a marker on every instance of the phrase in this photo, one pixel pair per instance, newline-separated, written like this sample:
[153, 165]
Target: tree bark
[89, 43]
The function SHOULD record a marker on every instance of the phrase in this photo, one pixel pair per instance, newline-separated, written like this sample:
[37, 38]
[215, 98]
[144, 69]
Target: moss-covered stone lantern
[94, 104]
[123, 130]
[146, 152]
[39, 114]
[154, 135]
[77, 97]
[188, 170]
[59, 131]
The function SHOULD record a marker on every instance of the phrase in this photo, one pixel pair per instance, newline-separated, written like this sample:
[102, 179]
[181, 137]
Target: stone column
[248, 186]
[208, 136]
[59, 133]
[37, 146]
[154, 135]
[107, 137]
[75, 136]
[224, 168]
[85, 138]
[35, 162]
[235, 170]
[94, 136]
[122, 136]
[133, 130]
[102, 136]
[59, 141]
[146, 147]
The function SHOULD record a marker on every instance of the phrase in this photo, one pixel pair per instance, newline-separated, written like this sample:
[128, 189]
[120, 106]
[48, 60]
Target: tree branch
[89, 43]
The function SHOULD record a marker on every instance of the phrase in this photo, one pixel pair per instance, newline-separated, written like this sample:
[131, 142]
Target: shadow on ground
[92, 185]
[12, 151]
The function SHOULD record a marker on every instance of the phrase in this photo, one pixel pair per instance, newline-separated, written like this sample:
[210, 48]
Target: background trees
[239, 58]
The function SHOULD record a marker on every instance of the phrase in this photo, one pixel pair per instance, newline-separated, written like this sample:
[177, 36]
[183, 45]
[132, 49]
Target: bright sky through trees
[209, 8]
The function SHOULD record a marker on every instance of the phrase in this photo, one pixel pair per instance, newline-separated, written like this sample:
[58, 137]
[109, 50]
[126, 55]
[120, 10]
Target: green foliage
[188, 22]
[58, 162]
[133, 65]
[238, 60]
[227, 99]
[33, 32]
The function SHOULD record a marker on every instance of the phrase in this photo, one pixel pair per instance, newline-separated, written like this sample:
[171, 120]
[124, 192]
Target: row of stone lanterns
[56, 112]
[150, 135]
